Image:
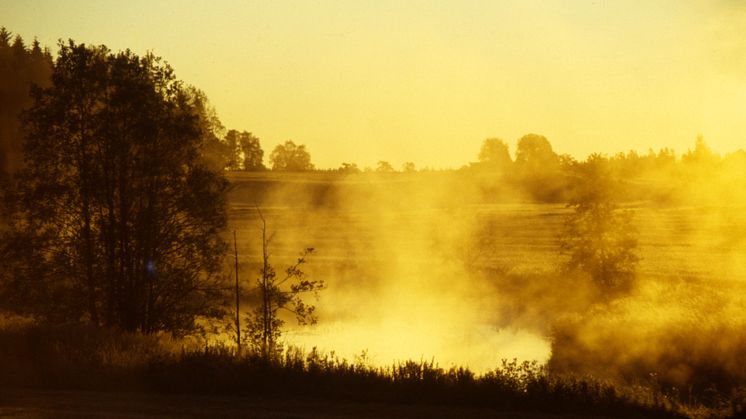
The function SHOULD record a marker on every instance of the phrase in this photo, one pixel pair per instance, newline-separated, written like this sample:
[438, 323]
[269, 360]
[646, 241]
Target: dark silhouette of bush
[75, 356]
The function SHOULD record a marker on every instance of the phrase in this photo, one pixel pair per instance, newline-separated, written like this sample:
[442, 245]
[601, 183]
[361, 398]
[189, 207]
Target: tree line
[24, 66]
[546, 176]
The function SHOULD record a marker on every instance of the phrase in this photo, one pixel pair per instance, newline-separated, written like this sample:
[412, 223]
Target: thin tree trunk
[266, 303]
[84, 186]
[238, 301]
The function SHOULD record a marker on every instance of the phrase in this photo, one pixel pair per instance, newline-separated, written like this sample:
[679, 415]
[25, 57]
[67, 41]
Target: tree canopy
[118, 208]
[247, 152]
[290, 157]
[494, 155]
[384, 167]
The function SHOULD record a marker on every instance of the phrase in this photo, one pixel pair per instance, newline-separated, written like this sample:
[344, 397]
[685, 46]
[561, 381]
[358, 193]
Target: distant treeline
[543, 175]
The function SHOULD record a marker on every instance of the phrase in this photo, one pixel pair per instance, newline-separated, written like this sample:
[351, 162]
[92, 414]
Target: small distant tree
[701, 156]
[279, 293]
[349, 168]
[408, 167]
[290, 157]
[599, 238]
[384, 167]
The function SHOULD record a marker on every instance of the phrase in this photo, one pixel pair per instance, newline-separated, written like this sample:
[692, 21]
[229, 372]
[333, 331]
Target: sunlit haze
[373, 206]
[360, 81]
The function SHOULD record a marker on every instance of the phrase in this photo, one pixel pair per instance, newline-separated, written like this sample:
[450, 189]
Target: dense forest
[116, 235]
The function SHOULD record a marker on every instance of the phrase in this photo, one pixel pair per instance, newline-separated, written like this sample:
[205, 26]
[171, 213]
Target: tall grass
[74, 356]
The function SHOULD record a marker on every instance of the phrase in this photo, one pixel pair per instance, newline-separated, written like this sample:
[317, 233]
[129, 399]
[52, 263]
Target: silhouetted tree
[535, 152]
[290, 157]
[349, 168]
[599, 237]
[384, 167]
[494, 155]
[701, 156]
[117, 196]
[233, 159]
[251, 152]
[36, 47]
[245, 151]
[215, 153]
[538, 168]
[5, 36]
[19, 47]
[264, 323]
[408, 167]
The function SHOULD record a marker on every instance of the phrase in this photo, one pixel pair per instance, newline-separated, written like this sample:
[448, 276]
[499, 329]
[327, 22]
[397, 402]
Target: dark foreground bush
[83, 357]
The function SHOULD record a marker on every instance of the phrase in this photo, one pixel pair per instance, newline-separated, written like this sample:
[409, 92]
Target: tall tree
[494, 155]
[118, 195]
[5, 36]
[232, 151]
[252, 152]
[384, 167]
[216, 153]
[701, 156]
[290, 157]
[534, 151]
[538, 168]
[248, 153]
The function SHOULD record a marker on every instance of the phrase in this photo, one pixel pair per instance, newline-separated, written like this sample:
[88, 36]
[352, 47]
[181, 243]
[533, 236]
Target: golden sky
[427, 81]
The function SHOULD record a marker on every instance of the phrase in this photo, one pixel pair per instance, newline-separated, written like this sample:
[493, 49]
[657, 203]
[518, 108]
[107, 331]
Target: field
[674, 241]
[430, 265]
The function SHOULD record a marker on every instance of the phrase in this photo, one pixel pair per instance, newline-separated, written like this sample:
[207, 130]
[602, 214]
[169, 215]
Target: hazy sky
[362, 81]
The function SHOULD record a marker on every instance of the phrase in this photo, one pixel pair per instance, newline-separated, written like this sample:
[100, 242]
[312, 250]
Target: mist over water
[425, 267]
[400, 264]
